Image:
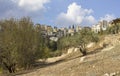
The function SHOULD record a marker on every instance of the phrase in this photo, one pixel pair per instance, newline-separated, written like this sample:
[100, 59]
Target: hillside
[101, 62]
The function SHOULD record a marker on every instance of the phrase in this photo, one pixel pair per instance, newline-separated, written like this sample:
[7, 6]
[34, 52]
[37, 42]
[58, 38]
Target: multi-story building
[55, 29]
[100, 26]
[64, 30]
[96, 28]
[71, 30]
[78, 28]
[104, 25]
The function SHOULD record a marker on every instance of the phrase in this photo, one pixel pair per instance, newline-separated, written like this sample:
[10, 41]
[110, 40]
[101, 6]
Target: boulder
[70, 50]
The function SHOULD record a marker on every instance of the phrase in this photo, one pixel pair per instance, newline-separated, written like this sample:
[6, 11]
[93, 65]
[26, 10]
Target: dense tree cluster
[20, 44]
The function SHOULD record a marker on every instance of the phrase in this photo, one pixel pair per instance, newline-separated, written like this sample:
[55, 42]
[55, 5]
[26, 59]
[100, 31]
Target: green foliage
[20, 44]
[55, 53]
[66, 42]
[115, 28]
[52, 45]
[82, 38]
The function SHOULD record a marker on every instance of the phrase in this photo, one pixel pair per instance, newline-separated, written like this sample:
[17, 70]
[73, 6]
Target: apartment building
[100, 26]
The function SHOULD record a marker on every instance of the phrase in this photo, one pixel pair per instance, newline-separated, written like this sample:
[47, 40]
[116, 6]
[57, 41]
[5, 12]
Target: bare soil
[100, 62]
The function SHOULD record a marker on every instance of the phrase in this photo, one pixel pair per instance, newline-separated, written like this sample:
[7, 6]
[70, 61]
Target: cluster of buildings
[54, 32]
[71, 30]
[102, 25]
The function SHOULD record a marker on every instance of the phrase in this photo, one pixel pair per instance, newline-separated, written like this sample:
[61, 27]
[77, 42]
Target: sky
[61, 13]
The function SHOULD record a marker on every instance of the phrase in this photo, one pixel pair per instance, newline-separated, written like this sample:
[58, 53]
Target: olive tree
[20, 44]
[81, 39]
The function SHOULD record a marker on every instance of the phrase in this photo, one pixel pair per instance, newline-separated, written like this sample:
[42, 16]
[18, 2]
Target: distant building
[78, 28]
[71, 30]
[55, 29]
[96, 28]
[104, 25]
[60, 33]
[64, 30]
[100, 26]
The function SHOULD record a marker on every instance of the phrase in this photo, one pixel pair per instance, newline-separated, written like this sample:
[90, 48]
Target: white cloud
[108, 17]
[76, 15]
[90, 19]
[31, 5]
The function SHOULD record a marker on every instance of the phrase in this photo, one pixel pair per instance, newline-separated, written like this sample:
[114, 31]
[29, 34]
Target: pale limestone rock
[82, 59]
[76, 49]
[90, 45]
[106, 74]
[112, 74]
[70, 50]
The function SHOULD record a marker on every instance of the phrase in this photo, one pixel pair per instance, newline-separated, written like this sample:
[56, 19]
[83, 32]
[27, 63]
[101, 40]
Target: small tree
[86, 36]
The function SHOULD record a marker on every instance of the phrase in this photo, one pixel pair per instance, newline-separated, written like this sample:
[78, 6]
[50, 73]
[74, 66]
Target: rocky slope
[100, 61]
[105, 62]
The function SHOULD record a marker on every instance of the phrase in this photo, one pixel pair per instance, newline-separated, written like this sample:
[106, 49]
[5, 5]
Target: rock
[93, 66]
[106, 74]
[70, 50]
[76, 49]
[107, 49]
[90, 45]
[82, 59]
[112, 74]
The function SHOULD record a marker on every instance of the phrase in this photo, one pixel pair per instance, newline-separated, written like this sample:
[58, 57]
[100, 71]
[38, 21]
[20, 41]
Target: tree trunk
[83, 51]
[10, 68]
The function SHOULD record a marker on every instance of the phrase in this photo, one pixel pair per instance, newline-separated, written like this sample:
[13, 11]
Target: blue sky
[61, 13]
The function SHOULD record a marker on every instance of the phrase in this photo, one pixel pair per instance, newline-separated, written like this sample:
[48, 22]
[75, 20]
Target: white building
[96, 28]
[102, 25]
[78, 28]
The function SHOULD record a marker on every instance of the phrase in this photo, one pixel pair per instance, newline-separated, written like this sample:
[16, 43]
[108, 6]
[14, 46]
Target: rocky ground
[103, 62]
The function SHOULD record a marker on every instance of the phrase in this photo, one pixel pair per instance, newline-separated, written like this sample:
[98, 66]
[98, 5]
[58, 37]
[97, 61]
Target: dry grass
[94, 64]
